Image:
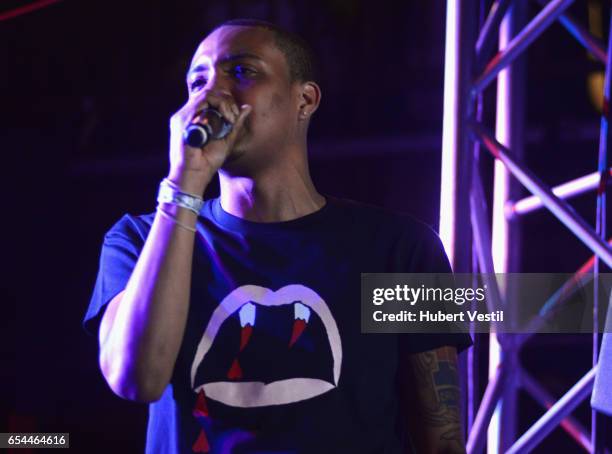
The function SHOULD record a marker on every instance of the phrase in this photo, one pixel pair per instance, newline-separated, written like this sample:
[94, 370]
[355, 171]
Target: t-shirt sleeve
[120, 250]
[428, 256]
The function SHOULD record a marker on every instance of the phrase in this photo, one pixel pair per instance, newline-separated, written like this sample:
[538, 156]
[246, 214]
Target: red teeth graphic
[301, 314]
[245, 301]
[245, 335]
[298, 328]
[247, 321]
[201, 444]
[200, 409]
[235, 372]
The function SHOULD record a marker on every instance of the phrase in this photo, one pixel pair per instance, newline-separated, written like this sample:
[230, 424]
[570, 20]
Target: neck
[275, 195]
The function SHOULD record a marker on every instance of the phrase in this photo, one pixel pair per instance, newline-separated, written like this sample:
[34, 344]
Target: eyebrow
[225, 59]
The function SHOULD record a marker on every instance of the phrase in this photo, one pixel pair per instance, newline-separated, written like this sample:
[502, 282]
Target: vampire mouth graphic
[273, 332]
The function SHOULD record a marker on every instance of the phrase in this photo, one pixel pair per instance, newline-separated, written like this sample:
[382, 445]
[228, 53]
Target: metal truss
[471, 65]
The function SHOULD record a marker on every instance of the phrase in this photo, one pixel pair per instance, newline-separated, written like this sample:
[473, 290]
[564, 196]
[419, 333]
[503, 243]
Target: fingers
[228, 108]
[222, 102]
[244, 112]
[238, 125]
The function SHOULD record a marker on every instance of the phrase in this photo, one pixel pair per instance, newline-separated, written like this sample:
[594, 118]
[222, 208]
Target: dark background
[87, 91]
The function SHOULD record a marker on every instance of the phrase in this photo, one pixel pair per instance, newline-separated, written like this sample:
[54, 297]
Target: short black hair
[300, 58]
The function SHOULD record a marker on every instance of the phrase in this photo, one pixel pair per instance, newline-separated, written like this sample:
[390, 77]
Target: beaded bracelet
[166, 215]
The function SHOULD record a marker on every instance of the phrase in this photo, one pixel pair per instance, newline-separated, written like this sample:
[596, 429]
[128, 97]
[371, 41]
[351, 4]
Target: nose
[218, 84]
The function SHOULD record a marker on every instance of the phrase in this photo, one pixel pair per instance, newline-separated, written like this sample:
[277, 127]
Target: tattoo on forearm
[437, 384]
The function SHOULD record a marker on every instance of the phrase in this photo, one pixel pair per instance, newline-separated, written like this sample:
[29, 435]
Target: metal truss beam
[463, 131]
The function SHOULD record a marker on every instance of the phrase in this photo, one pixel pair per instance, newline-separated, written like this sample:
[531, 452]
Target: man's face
[244, 63]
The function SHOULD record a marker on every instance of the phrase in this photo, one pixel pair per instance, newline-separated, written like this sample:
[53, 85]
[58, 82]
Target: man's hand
[193, 168]
[429, 388]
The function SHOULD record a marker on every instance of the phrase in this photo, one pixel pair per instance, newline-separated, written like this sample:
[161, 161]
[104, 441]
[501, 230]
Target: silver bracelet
[161, 211]
[169, 193]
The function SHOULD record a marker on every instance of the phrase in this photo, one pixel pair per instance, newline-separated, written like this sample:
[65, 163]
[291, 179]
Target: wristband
[168, 193]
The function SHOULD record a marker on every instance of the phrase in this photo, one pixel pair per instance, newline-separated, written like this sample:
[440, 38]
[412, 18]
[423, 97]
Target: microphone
[212, 126]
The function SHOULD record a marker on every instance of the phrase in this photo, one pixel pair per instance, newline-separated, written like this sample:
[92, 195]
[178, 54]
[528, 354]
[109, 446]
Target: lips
[245, 300]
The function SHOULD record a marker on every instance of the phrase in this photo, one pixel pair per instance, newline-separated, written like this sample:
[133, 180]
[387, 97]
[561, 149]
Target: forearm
[143, 332]
[431, 396]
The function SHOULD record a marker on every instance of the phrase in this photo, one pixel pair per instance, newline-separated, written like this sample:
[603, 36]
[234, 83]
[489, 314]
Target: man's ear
[310, 98]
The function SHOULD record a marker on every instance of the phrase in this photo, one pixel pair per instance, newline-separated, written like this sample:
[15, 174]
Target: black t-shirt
[273, 359]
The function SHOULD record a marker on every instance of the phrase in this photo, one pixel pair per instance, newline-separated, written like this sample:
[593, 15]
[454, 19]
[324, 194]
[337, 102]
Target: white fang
[247, 315]
[301, 312]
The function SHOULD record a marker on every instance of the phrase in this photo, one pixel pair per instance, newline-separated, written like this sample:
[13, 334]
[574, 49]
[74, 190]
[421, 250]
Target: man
[239, 321]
